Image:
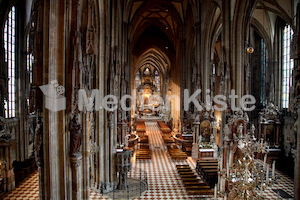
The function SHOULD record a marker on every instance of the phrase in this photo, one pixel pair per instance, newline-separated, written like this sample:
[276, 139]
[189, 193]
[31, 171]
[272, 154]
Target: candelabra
[247, 178]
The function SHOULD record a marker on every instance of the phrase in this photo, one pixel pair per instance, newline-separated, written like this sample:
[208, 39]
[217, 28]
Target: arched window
[137, 80]
[29, 63]
[10, 58]
[157, 80]
[264, 65]
[147, 72]
[287, 65]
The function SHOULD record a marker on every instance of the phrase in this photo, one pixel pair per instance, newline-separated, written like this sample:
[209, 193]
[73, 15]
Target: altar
[206, 153]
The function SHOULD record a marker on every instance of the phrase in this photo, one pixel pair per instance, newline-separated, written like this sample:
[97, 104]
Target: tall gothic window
[30, 60]
[137, 80]
[287, 66]
[157, 80]
[264, 65]
[10, 58]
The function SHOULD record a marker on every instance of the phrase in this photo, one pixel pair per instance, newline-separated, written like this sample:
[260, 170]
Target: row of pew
[208, 169]
[176, 153]
[143, 153]
[192, 182]
[164, 128]
[140, 128]
[168, 139]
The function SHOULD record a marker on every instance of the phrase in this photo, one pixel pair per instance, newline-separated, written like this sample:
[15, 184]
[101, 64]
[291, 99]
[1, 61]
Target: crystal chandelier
[247, 178]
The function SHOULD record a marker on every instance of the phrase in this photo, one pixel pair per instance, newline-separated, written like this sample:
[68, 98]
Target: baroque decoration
[247, 178]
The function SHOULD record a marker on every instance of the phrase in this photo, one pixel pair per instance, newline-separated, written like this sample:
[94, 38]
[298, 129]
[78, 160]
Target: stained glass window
[30, 61]
[137, 80]
[288, 65]
[10, 58]
[264, 65]
[157, 80]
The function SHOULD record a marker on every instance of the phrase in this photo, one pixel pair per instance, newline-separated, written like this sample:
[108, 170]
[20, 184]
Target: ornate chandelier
[247, 178]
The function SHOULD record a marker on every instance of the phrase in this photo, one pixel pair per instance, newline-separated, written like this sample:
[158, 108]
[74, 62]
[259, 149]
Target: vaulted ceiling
[168, 15]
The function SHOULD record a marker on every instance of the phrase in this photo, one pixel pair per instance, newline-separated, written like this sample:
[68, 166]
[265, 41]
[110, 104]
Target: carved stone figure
[240, 130]
[199, 139]
[212, 138]
[252, 130]
[226, 132]
[38, 138]
[270, 113]
[91, 41]
[75, 135]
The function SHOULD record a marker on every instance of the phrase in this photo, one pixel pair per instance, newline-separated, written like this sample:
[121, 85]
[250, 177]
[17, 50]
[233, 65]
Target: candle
[221, 185]
[215, 191]
[265, 161]
[227, 170]
[230, 157]
[221, 165]
[273, 170]
[267, 174]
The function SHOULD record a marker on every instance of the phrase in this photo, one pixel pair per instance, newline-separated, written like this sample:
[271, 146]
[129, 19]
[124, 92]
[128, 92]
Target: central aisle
[163, 180]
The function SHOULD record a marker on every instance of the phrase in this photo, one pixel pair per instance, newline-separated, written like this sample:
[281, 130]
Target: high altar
[148, 88]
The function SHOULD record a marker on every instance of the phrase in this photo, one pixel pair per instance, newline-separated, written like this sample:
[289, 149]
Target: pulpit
[123, 167]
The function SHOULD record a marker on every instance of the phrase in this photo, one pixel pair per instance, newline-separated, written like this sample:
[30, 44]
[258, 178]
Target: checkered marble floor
[164, 182]
[28, 190]
[284, 182]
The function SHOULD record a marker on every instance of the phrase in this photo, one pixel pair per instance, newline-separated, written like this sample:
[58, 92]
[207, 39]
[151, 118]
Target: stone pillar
[39, 162]
[196, 130]
[76, 163]
[297, 160]
[226, 158]
[124, 132]
[54, 128]
[296, 102]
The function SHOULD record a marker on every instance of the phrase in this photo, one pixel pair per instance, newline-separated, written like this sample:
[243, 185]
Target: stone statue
[240, 130]
[38, 138]
[75, 135]
[252, 130]
[212, 138]
[127, 137]
[199, 139]
[235, 138]
[226, 132]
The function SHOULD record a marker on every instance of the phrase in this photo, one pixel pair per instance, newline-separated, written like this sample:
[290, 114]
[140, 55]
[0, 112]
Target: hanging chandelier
[247, 178]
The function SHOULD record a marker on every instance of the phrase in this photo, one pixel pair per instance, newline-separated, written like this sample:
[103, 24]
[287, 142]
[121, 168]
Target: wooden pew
[208, 168]
[192, 183]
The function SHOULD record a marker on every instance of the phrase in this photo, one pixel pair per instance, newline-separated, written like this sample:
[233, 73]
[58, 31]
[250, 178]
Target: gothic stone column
[76, 162]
